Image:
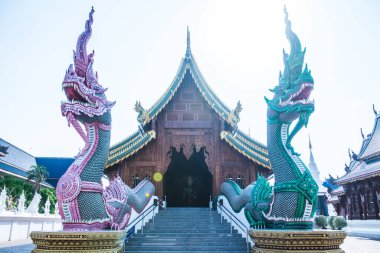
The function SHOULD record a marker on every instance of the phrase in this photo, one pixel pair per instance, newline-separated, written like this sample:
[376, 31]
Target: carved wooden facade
[188, 122]
[361, 200]
[190, 118]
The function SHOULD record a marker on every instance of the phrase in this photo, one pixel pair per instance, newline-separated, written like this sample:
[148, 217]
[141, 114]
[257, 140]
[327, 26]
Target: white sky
[237, 45]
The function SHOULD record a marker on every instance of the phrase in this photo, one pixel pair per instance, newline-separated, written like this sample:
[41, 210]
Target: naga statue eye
[96, 88]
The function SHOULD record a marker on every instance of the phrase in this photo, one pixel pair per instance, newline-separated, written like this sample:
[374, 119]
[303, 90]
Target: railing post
[221, 214]
[142, 224]
[246, 239]
[221, 209]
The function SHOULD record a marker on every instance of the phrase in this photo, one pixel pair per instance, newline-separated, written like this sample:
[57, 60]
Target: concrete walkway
[22, 246]
[351, 245]
[360, 245]
[364, 228]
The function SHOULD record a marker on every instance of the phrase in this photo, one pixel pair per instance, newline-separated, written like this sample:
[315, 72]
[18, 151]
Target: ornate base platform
[81, 241]
[289, 241]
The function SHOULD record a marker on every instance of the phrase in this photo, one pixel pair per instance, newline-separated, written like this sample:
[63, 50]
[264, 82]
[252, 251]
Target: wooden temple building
[357, 193]
[191, 138]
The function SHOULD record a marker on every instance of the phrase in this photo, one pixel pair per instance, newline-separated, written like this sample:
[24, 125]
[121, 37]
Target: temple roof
[188, 63]
[248, 147]
[17, 162]
[129, 146]
[56, 166]
[367, 163]
[334, 189]
[244, 144]
[371, 147]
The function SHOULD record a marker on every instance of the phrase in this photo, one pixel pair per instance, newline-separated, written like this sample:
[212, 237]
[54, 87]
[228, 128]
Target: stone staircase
[187, 230]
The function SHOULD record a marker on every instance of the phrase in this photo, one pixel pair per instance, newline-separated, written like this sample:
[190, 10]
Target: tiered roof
[238, 140]
[129, 146]
[17, 162]
[367, 163]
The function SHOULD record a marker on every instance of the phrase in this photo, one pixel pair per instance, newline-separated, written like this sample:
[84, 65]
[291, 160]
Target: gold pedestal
[106, 241]
[293, 241]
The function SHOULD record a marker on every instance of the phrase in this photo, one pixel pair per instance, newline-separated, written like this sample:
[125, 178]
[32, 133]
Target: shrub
[15, 186]
[330, 220]
[45, 193]
[339, 223]
[321, 221]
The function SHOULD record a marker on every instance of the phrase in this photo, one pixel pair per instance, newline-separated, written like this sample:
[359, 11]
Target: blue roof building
[17, 162]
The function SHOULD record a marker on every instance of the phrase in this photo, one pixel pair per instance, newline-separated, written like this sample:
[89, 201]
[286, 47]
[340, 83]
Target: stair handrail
[142, 215]
[235, 220]
[231, 215]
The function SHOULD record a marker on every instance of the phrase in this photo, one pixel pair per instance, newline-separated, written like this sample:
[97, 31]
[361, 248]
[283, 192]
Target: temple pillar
[377, 201]
[216, 181]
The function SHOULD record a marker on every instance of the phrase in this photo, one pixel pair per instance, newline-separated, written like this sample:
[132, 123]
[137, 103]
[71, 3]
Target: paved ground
[351, 245]
[360, 245]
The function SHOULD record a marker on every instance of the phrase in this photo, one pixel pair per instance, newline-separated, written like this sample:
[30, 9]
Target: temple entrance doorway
[187, 182]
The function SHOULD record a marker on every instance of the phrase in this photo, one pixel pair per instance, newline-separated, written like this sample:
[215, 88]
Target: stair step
[187, 230]
[176, 235]
[172, 248]
[173, 242]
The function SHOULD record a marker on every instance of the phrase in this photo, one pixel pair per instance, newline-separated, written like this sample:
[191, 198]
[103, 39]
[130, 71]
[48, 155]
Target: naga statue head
[291, 96]
[86, 99]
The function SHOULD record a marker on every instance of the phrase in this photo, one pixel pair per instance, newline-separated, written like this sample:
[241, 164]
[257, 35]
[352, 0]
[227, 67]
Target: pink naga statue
[83, 202]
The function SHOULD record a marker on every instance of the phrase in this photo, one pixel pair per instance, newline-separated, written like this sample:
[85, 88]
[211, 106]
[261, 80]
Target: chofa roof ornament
[188, 46]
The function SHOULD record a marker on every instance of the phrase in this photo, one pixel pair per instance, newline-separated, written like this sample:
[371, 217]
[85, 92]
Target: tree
[38, 174]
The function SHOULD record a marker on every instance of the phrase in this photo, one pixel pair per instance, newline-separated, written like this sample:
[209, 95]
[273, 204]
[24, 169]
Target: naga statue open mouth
[295, 99]
[83, 202]
[294, 195]
[84, 94]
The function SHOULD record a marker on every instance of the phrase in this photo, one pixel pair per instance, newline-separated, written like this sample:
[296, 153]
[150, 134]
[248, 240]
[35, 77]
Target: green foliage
[47, 193]
[330, 220]
[339, 223]
[321, 221]
[38, 173]
[15, 186]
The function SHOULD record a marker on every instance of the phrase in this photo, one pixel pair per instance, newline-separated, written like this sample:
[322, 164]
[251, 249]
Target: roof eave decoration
[346, 180]
[234, 116]
[129, 146]
[188, 63]
[369, 154]
[253, 153]
[371, 150]
[338, 192]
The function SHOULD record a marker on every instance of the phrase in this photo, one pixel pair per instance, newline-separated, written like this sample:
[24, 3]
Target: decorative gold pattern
[288, 241]
[81, 241]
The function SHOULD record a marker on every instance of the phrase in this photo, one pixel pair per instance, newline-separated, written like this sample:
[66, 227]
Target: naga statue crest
[291, 96]
[83, 202]
[294, 196]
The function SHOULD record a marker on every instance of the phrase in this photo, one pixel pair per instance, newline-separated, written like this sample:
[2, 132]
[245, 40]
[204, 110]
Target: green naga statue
[291, 204]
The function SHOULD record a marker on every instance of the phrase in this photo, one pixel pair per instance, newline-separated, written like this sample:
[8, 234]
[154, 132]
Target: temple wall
[15, 227]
